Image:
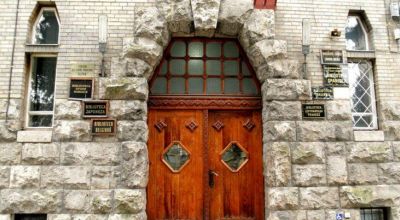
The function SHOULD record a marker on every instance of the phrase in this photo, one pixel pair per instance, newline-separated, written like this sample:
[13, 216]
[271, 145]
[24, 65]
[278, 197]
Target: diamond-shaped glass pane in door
[176, 156]
[234, 156]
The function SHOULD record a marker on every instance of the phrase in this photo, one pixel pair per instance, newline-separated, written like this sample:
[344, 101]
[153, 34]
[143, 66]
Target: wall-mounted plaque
[93, 109]
[331, 56]
[324, 93]
[104, 126]
[81, 88]
[335, 75]
[313, 111]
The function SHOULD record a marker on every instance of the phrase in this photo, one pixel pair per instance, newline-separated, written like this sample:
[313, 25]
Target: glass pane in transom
[178, 49]
[213, 67]
[159, 86]
[196, 67]
[195, 85]
[46, 29]
[231, 86]
[214, 86]
[177, 85]
[231, 68]
[231, 50]
[177, 67]
[196, 49]
[214, 49]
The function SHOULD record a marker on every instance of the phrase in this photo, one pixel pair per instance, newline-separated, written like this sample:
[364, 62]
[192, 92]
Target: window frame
[364, 29]
[374, 112]
[28, 113]
[54, 9]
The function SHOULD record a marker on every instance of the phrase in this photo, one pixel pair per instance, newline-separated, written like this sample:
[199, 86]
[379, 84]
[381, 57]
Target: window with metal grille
[30, 217]
[374, 214]
[363, 106]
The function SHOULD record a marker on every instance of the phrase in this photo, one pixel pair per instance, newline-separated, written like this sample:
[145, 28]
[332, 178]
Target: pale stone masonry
[312, 169]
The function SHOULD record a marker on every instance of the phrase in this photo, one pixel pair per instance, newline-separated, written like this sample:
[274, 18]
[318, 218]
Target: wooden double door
[205, 165]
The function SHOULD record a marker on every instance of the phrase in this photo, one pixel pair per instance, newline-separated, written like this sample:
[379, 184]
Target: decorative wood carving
[160, 125]
[196, 102]
[249, 124]
[218, 125]
[191, 125]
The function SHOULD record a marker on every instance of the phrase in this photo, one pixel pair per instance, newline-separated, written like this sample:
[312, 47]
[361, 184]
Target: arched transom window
[200, 67]
[356, 34]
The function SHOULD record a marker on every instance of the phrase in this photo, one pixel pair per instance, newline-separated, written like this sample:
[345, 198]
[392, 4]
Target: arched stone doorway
[205, 133]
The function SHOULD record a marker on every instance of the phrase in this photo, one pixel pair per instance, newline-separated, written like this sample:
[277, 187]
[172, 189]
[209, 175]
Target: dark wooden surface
[187, 194]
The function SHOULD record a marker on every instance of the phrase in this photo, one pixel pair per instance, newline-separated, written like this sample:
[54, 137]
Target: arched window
[204, 67]
[356, 34]
[45, 30]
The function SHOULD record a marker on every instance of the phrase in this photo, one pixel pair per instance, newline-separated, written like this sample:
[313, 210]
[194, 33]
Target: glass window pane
[231, 50]
[245, 69]
[364, 121]
[46, 29]
[176, 156]
[164, 68]
[214, 49]
[177, 67]
[42, 83]
[213, 67]
[234, 157]
[196, 67]
[177, 85]
[213, 85]
[196, 49]
[178, 49]
[196, 86]
[159, 86]
[356, 38]
[40, 120]
[249, 87]
[231, 68]
[231, 86]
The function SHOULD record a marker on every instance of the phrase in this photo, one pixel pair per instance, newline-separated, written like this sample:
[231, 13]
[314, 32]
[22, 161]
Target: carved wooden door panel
[205, 165]
[175, 188]
[235, 164]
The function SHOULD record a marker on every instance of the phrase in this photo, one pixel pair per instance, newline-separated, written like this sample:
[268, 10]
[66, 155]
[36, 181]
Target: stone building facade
[313, 169]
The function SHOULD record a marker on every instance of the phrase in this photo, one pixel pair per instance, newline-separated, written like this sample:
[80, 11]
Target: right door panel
[235, 165]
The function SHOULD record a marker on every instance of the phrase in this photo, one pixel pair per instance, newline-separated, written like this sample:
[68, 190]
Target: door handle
[211, 174]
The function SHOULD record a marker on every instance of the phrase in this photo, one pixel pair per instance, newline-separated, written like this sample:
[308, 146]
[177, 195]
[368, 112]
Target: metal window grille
[30, 217]
[374, 214]
[363, 104]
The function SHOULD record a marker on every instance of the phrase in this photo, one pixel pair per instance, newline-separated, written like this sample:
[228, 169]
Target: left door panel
[175, 188]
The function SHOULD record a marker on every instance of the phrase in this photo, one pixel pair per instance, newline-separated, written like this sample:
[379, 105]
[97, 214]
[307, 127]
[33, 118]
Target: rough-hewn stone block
[25, 177]
[10, 153]
[142, 48]
[130, 67]
[178, 14]
[336, 148]
[149, 23]
[205, 16]
[279, 131]
[231, 15]
[338, 110]
[262, 52]
[324, 131]
[128, 110]
[279, 68]
[101, 177]
[286, 90]
[41, 154]
[309, 175]
[72, 131]
[370, 196]
[277, 163]
[34, 136]
[319, 197]
[130, 200]
[336, 170]
[128, 88]
[308, 153]
[77, 201]
[283, 198]
[259, 25]
[30, 201]
[52, 177]
[287, 215]
[132, 131]
[282, 111]
[392, 130]
[139, 216]
[390, 111]
[67, 110]
[101, 201]
[90, 153]
[367, 152]
[6, 133]
[4, 177]
[363, 174]
[389, 173]
[134, 169]
[59, 217]
[76, 177]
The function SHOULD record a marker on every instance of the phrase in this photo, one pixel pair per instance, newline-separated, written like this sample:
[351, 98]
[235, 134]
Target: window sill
[361, 54]
[41, 48]
[34, 136]
[369, 136]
